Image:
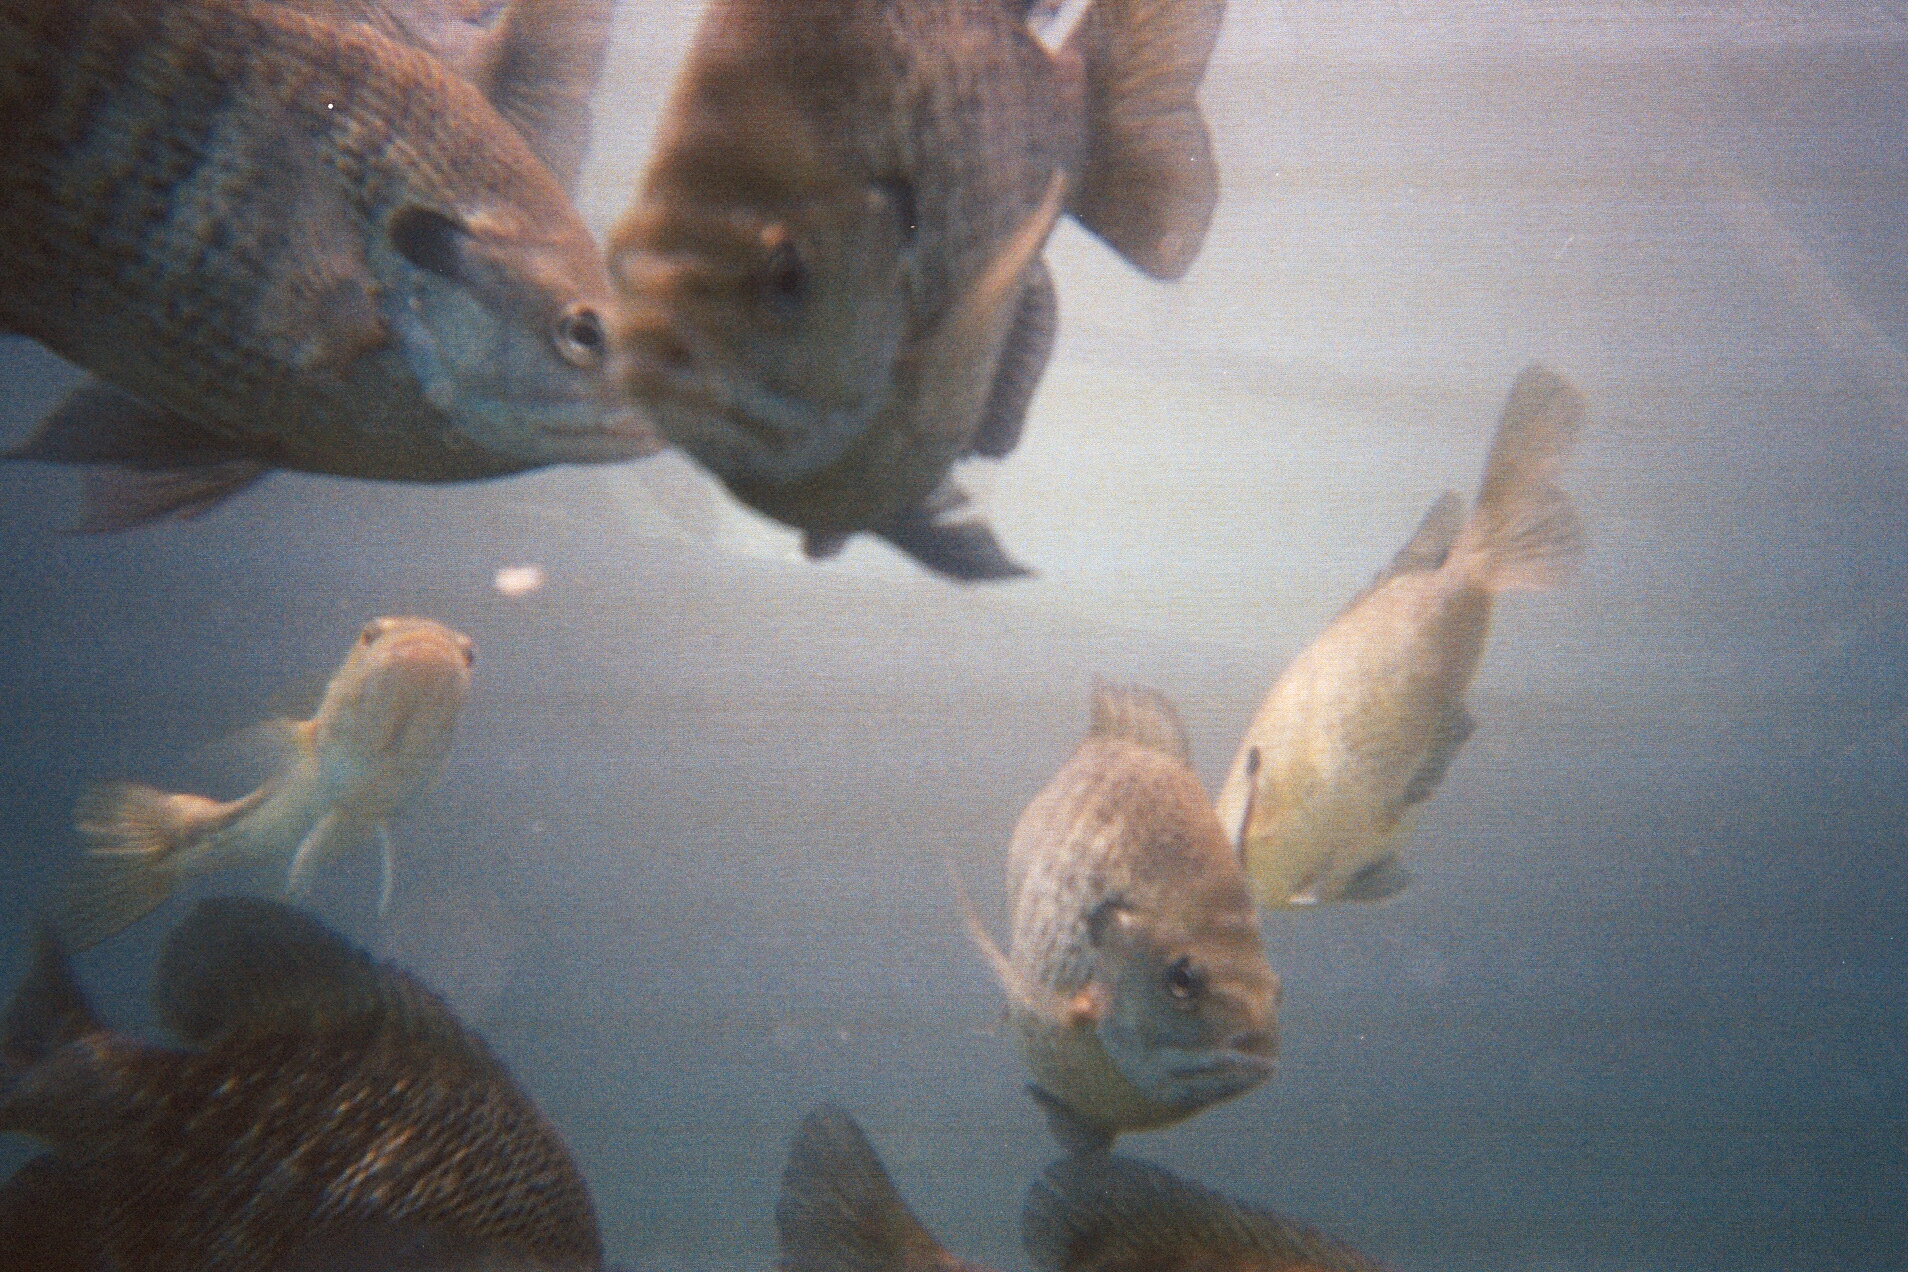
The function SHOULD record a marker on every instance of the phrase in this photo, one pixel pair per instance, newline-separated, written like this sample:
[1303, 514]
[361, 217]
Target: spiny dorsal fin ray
[1142, 716]
[536, 61]
[1107, 1211]
[245, 965]
[839, 1211]
[1428, 547]
[1150, 184]
[47, 1011]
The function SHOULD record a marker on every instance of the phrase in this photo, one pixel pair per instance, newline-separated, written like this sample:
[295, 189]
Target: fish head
[763, 280]
[503, 313]
[1190, 1015]
[399, 691]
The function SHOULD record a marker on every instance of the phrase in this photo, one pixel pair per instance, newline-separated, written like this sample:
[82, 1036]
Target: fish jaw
[1191, 1079]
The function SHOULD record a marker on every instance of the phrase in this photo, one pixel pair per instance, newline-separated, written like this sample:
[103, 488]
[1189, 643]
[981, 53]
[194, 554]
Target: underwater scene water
[687, 867]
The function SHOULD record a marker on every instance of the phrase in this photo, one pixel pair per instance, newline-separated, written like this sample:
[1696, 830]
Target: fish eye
[785, 275]
[1185, 981]
[579, 336]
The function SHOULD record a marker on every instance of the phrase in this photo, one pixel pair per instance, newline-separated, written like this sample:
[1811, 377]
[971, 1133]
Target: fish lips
[1199, 1078]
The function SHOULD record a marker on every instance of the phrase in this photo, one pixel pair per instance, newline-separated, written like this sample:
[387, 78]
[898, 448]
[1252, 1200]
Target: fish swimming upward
[839, 1211]
[1102, 1212]
[1359, 729]
[377, 743]
[283, 241]
[832, 278]
[325, 1111]
[1138, 988]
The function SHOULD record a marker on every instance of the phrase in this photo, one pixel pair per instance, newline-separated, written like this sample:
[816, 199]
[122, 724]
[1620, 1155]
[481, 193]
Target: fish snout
[653, 354]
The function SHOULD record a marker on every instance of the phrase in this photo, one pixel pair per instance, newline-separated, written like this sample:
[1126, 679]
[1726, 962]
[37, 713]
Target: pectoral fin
[385, 871]
[1455, 727]
[332, 834]
[1023, 359]
[1379, 881]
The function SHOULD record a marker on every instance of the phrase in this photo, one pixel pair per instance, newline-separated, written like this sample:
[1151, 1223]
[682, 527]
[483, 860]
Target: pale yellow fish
[377, 742]
[1138, 988]
[1359, 729]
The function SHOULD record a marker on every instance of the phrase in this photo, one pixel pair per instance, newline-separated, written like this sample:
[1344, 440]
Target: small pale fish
[376, 744]
[280, 238]
[1358, 731]
[324, 1111]
[839, 1211]
[1107, 1213]
[832, 277]
[1138, 988]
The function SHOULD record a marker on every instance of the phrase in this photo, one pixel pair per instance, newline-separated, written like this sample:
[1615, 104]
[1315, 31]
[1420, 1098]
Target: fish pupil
[1183, 979]
[787, 276]
[586, 330]
[901, 197]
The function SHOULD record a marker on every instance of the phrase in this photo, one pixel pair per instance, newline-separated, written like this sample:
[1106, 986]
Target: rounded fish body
[1146, 995]
[832, 278]
[1359, 729]
[383, 730]
[287, 243]
[322, 1098]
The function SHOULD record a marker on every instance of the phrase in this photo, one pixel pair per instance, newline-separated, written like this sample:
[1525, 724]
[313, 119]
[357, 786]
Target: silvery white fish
[832, 278]
[1359, 729]
[326, 1113]
[280, 240]
[1101, 1212]
[839, 1211]
[377, 743]
[1138, 988]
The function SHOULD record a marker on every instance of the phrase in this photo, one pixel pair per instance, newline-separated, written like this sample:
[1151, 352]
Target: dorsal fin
[1023, 359]
[1099, 1211]
[245, 965]
[1426, 549]
[1138, 715]
[840, 1212]
[47, 1011]
[536, 61]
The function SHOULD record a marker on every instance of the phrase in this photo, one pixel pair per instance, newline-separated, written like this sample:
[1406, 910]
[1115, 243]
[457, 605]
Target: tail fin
[1523, 532]
[839, 1211]
[48, 1010]
[134, 835]
[1149, 185]
[1139, 715]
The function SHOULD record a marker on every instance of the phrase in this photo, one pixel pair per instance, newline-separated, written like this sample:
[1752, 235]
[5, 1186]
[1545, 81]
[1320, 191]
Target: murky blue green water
[1644, 1007]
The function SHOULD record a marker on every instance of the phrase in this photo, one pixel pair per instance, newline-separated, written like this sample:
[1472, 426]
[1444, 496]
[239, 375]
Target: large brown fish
[839, 1211]
[323, 1103]
[1105, 1213]
[285, 241]
[377, 742]
[1138, 988]
[832, 276]
[1359, 729]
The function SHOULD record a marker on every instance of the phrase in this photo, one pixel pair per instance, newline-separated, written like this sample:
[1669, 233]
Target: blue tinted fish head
[1192, 1016]
[763, 275]
[504, 319]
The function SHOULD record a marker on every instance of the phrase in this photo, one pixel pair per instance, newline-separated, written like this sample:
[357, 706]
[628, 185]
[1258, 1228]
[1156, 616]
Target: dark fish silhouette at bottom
[328, 1112]
[1100, 1212]
[839, 1211]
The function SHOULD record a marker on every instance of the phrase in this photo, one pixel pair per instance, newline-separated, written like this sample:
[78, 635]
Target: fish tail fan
[134, 834]
[1138, 715]
[839, 1211]
[47, 1011]
[1149, 184]
[1523, 533]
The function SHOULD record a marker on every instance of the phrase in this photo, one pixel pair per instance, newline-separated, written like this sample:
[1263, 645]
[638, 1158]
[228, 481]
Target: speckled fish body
[1103, 1212]
[1139, 991]
[832, 277]
[318, 1094]
[285, 242]
[1359, 729]
[377, 743]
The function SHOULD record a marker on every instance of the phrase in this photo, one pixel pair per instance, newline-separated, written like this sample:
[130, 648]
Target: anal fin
[961, 547]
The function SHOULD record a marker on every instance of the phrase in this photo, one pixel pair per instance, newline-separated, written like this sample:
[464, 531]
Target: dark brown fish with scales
[281, 238]
[832, 278]
[326, 1108]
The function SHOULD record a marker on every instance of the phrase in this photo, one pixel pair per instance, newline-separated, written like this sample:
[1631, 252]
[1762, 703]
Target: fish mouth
[1250, 1066]
[628, 433]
